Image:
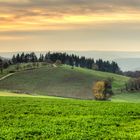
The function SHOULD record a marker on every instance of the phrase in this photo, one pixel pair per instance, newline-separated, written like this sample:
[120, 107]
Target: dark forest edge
[63, 58]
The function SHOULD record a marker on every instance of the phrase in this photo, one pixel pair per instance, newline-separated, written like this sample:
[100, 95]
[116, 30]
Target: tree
[22, 57]
[5, 64]
[95, 67]
[33, 57]
[18, 58]
[41, 58]
[1, 65]
[72, 60]
[133, 84]
[102, 90]
[14, 60]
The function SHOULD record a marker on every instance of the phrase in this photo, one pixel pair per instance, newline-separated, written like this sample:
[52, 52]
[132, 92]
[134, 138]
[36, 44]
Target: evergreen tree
[72, 60]
[14, 60]
[1, 65]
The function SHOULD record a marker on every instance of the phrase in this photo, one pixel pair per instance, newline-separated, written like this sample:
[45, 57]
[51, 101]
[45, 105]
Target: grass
[7, 93]
[12, 94]
[37, 116]
[127, 97]
[60, 81]
[13, 68]
[51, 119]
[123, 97]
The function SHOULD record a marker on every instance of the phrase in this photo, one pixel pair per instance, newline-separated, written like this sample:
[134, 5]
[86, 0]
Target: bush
[102, 90]
[133, 84]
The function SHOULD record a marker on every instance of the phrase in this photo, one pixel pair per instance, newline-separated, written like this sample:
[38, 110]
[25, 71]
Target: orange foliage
[99, 90]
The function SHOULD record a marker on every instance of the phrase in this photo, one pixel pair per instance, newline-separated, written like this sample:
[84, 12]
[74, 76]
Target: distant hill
[127, 61]
[59, 81]
[107, 55]
[129, 64]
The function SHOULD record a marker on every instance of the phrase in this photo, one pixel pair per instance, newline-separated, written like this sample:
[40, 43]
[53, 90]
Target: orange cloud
[5, 37]
[66, 21]
[25, 15]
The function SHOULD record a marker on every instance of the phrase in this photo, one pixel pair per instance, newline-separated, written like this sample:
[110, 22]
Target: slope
[59, 81]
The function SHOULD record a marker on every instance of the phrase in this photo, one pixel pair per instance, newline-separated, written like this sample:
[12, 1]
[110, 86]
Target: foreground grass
[42, 118]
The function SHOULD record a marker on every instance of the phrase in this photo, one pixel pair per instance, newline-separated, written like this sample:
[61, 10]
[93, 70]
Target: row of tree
[133, 84]
[133, 74]
[72, 60]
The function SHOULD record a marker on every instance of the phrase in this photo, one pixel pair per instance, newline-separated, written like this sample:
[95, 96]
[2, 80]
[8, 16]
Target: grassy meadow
[46, 118]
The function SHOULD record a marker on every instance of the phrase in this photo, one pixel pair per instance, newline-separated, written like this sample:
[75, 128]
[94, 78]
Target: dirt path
[6, 76]
[54, 66]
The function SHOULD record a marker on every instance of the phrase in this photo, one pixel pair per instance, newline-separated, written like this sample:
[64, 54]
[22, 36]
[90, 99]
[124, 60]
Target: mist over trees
[72, 60]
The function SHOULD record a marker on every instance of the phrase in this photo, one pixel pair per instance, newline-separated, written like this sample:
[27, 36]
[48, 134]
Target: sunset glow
[24, 18]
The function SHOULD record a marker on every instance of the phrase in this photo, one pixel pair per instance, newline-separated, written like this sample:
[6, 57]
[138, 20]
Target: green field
[46, 118]
[127, 97]
[35, 104]
[59, 81]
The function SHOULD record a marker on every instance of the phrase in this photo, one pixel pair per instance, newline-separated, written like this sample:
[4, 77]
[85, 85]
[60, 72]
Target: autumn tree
[102, 90]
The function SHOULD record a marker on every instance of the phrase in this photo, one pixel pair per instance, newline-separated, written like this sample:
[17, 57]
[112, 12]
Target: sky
[62, 25]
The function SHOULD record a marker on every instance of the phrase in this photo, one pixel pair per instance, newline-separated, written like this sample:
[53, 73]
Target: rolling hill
[59, 81]
[46, 117]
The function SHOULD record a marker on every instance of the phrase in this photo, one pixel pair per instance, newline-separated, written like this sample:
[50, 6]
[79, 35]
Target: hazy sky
[42, 25]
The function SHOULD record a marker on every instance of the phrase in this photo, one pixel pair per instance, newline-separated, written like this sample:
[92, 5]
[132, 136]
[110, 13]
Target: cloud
[7, 38]
[65, 14]
[93, 5]
[69, 23]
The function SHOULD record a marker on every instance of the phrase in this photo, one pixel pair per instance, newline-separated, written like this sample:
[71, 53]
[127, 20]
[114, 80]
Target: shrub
[133, 84]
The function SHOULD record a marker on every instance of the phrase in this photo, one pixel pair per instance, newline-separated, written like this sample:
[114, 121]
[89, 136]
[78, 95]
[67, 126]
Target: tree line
[69, 59]
[133, 85]
[72, 60]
